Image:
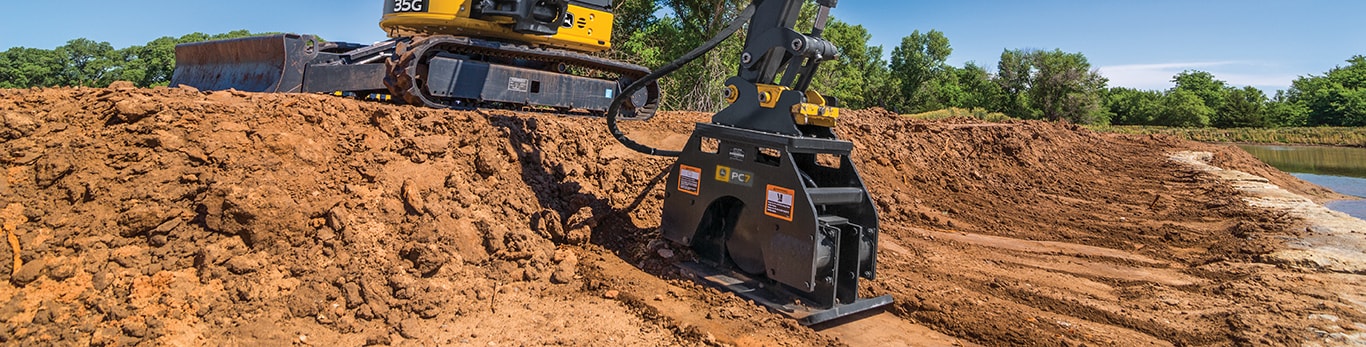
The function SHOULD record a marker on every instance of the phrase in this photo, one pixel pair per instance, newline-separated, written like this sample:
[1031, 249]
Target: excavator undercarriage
[433, 71]
[442, 54]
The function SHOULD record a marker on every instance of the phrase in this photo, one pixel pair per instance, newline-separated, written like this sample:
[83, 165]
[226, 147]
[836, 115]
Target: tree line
[1026, 83]
[84, 62]
[1336, 98]
[913, 77]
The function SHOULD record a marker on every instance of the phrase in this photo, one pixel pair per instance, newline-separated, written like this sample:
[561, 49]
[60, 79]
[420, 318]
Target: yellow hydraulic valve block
[815, 112]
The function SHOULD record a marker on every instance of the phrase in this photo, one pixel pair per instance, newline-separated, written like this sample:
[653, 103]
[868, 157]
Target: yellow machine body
[586, 29]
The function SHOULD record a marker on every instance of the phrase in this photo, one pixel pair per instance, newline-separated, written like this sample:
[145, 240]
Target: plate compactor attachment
[770, 220]
[766, 195]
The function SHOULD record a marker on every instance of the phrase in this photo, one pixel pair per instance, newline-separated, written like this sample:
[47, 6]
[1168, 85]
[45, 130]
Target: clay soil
[173, 216]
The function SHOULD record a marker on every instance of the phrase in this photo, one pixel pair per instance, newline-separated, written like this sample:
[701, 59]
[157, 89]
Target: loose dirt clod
[10, 219]
[174, 216]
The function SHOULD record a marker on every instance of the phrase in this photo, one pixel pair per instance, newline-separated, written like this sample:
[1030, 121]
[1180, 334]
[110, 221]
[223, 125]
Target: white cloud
[1159, 76]
[1266, 81]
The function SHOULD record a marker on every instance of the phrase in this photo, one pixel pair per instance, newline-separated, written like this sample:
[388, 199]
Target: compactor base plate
[766, 295]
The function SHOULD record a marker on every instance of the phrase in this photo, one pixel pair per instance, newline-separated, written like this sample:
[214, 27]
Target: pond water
[1342, 169]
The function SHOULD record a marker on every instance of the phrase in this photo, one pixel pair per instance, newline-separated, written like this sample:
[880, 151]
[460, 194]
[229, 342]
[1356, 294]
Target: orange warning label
[689, 179]
[778, 203]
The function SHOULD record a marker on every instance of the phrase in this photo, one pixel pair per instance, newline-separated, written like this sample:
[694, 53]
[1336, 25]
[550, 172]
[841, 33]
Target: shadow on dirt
[569, 206]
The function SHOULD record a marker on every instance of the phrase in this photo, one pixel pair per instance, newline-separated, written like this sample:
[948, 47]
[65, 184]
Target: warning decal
[689, 179]
[779, 203]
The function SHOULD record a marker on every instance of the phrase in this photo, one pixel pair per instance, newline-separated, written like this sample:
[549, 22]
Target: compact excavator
[443, 54]
[765, 195]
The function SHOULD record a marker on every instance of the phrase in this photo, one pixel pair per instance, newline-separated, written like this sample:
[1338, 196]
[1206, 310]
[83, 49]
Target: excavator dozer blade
[271, 64]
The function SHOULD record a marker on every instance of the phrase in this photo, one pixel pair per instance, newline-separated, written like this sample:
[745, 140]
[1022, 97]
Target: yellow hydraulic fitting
[769, 94]
[812, 114]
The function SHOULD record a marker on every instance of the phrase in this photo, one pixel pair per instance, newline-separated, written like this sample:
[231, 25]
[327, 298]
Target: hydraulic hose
[615, 108]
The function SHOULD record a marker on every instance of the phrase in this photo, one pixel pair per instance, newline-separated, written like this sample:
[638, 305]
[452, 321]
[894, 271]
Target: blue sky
[1141, 44]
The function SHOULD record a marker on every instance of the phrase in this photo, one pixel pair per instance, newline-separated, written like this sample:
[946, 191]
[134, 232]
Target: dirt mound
[177, 216]
[183, 216]
[1031, 231]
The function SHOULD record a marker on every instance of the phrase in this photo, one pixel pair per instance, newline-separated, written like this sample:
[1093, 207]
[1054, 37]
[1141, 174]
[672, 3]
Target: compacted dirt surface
[173, 216]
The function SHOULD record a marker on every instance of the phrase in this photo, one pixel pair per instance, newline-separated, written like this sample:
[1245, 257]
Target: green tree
[1064, 86]
[151, 64]
[978, 90]
[1014, 74]
[87, 63]
[1183, 108]
[1242, 108]
[1354, 109]
[630, 16]
[883, 89]
[22, 67]
[1337, 98]
[689, 23]
[944, 90]
[1129, 106]
[1283, 112]
[1210, 90]
[917, 62]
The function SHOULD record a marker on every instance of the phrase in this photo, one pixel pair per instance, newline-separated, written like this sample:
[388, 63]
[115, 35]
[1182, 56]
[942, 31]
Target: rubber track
[408, 64]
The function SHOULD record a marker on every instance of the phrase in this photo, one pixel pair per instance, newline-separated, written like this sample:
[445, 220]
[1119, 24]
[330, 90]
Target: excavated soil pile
[1027, 232]
[184, 217]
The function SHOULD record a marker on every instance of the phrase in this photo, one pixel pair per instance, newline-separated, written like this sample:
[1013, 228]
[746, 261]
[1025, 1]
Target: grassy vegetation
[954, 112]
[1326, 136]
